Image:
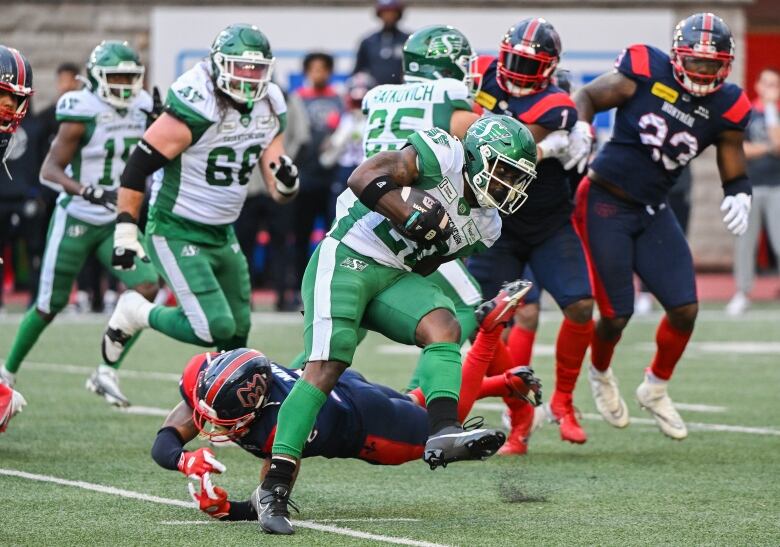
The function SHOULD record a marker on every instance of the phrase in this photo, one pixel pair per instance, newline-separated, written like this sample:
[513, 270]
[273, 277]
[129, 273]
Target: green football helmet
[440, 51]
[115, 73]
[242, 63]
[500, 162]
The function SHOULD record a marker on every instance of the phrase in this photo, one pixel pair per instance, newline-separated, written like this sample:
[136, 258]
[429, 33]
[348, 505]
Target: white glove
[580, 143]
[737, 209]
[126, 246]
[555, 145]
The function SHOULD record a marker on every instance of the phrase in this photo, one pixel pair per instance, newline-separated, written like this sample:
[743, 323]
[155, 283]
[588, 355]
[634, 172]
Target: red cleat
[498, 311]
[561, 409]
[11, 403]
[521, 418]
[522, 384]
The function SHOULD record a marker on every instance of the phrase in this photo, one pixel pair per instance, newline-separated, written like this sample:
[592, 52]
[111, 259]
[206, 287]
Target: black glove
[427, 227]
[157, 107]
[286, 176]
[100, 196]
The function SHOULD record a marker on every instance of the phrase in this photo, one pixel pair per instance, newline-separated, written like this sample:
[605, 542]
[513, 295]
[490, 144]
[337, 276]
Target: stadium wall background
[53, 32]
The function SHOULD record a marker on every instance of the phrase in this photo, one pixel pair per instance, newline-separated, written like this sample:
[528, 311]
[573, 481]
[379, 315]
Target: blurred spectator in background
[762, 150]
[260, 210]
[344, 148]
[323, 107]
[22, 213]
[379, 54]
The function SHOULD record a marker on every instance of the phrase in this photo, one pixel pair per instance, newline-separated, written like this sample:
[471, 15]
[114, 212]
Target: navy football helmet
[702, 53]
[15, 78]
[230, 393]
[527, 57]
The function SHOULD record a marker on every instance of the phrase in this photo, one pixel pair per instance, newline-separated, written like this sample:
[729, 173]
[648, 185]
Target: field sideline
[632, 486]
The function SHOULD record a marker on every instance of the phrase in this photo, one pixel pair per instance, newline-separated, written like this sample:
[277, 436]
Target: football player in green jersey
[405, 213]
[99, 127]
[222, 118]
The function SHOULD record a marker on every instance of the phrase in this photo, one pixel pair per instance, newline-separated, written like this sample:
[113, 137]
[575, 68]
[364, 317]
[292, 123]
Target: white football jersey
[110, 136]
[207, 183]
[440, 159]
[394, 112]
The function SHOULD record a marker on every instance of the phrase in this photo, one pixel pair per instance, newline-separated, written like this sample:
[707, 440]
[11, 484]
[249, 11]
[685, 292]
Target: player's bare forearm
[609, 90]
[180, 418]
[130, 202]
[62, 150]
[460, 121]
[399, 167]
[731, 155]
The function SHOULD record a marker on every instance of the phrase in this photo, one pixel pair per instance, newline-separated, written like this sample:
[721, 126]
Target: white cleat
[655, 399]
[738, 304]
[607, 397]
[104, 382]
[7, 377]
[130, 316]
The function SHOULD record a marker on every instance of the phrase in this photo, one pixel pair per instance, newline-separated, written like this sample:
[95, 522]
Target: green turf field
[624, 487]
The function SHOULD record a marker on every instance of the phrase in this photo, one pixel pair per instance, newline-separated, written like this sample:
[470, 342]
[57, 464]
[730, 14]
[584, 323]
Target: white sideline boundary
[103, 489]
[693, 426]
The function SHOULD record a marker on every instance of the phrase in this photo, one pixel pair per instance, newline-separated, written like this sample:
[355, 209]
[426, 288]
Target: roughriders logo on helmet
[493, 131]
[445, 45]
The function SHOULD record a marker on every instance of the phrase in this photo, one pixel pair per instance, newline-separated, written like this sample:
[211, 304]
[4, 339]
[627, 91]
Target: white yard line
[190, 505]
[694, 426]
[144, 411]
[693, 407]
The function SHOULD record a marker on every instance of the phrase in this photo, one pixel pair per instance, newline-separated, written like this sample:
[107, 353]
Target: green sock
[296, 418]
[30, 329]
[439, 369]
[468, 324]
[234, 343]
[129, 345]
[173, 322]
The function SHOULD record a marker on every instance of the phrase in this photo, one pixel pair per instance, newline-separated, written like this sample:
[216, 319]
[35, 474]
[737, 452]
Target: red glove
[211, 500]
[201, 461]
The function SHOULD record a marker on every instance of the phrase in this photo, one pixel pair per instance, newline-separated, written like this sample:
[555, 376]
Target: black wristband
[240, 510]
[124, 216]
[167, 448]
[738, 185]
[144, 161]
[374, 191]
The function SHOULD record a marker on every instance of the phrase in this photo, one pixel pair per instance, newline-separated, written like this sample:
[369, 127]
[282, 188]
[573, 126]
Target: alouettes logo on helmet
[253, 393]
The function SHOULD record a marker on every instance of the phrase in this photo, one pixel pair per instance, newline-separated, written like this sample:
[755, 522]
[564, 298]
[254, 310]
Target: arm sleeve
[737, 116]
[634, 62]
[435, 155]
[167, 448]
[73, 107]
[189, 103]
[553, 111]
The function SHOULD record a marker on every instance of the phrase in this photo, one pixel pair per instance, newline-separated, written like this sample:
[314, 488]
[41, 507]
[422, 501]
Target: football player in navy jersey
[15, 92]
[518, 84]
[236, 396]
[669, 109]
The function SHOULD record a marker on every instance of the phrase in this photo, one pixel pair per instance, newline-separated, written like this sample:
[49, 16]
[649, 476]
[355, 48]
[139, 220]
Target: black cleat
[272, 512]
[454, 443]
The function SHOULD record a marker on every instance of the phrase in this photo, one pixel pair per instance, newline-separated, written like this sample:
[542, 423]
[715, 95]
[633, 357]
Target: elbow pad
[144, 161]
